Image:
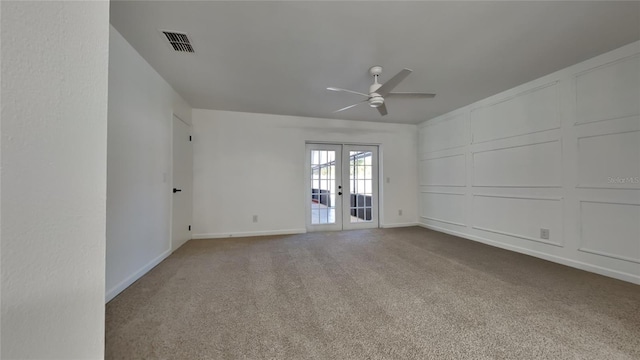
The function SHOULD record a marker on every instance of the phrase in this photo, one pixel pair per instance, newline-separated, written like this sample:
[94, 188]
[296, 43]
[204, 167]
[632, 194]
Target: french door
[342, 187]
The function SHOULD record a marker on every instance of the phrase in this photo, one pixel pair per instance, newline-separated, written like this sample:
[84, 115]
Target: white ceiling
[278, 57]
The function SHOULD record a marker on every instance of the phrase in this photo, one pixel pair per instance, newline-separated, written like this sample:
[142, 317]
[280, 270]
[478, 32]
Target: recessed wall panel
[446, 134]
[532, 111]
[532, 165]
[444, 171]
[609, 161]
[611, 229]
[519, 217]
[443, 207]
[608, 92]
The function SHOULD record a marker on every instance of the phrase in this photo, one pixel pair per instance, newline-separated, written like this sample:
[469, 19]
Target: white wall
[246, 164]
[141, 104]
[54, 148]
[546, 154]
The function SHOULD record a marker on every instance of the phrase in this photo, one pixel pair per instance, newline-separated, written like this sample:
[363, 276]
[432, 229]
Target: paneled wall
[561, 153]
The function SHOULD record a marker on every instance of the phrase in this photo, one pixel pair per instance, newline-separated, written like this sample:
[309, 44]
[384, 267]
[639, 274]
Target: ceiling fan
[378, 92]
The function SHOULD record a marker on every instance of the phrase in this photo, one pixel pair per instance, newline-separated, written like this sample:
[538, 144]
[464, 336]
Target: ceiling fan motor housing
[375, 100]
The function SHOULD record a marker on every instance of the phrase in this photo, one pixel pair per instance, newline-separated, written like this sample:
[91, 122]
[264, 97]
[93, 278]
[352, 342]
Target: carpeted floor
[406, 293]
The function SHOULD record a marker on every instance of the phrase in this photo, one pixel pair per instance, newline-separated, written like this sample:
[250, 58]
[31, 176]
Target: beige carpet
[404, 293]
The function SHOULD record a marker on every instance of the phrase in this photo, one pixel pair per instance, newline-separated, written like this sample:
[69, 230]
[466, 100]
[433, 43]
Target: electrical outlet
[400, 212]
[255, 218]
[544, 234]
[388, 180]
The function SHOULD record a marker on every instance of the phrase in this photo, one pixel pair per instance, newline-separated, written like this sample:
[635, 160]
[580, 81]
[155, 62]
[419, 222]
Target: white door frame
[343, 212]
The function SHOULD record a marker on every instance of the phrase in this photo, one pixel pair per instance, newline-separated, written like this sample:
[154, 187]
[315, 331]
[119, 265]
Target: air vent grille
[179, 41]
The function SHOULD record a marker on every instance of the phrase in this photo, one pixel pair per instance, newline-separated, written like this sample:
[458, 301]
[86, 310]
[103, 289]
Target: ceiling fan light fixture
[376, 101]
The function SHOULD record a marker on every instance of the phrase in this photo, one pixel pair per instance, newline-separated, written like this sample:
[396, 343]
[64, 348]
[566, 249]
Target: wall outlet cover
[544, 234]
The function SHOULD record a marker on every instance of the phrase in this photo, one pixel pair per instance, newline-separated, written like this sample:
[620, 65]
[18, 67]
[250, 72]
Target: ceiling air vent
[179, 41]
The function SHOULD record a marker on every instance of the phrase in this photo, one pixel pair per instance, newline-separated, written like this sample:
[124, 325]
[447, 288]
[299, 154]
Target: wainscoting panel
[520, 217]
[609, 161]
[446, 207]
[609, 91]
[531, 165]
[445, 134]
[444, 171]
[610, 229]
[528, 112]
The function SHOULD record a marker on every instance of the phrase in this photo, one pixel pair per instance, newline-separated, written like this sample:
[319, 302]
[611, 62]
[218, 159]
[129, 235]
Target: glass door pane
[323, 185]
[324, 210]
[361, 200]
[361, 189]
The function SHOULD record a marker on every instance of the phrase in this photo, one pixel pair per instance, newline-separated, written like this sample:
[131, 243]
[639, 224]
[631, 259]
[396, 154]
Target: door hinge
[189, 227]
[189, 137]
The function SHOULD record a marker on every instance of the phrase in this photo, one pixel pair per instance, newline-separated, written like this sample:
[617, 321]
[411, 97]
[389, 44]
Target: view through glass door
[342, 187]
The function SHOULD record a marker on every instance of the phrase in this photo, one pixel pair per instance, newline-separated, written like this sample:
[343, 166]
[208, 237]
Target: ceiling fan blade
[411, 95]
[382, 109]
[393, 82]
[349, 91]
[350, 106]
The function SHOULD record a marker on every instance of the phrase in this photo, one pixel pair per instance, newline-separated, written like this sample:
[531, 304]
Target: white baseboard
[557, 259]
[398, 225]
[249, 233]
[113, 292]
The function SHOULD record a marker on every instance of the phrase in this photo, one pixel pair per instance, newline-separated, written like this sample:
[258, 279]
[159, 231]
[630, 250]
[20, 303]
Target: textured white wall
[560, 153]
[246, 164]
[54, 143]
[141, 104]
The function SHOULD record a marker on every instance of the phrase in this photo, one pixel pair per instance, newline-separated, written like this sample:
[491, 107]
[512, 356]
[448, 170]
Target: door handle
[176, 190]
